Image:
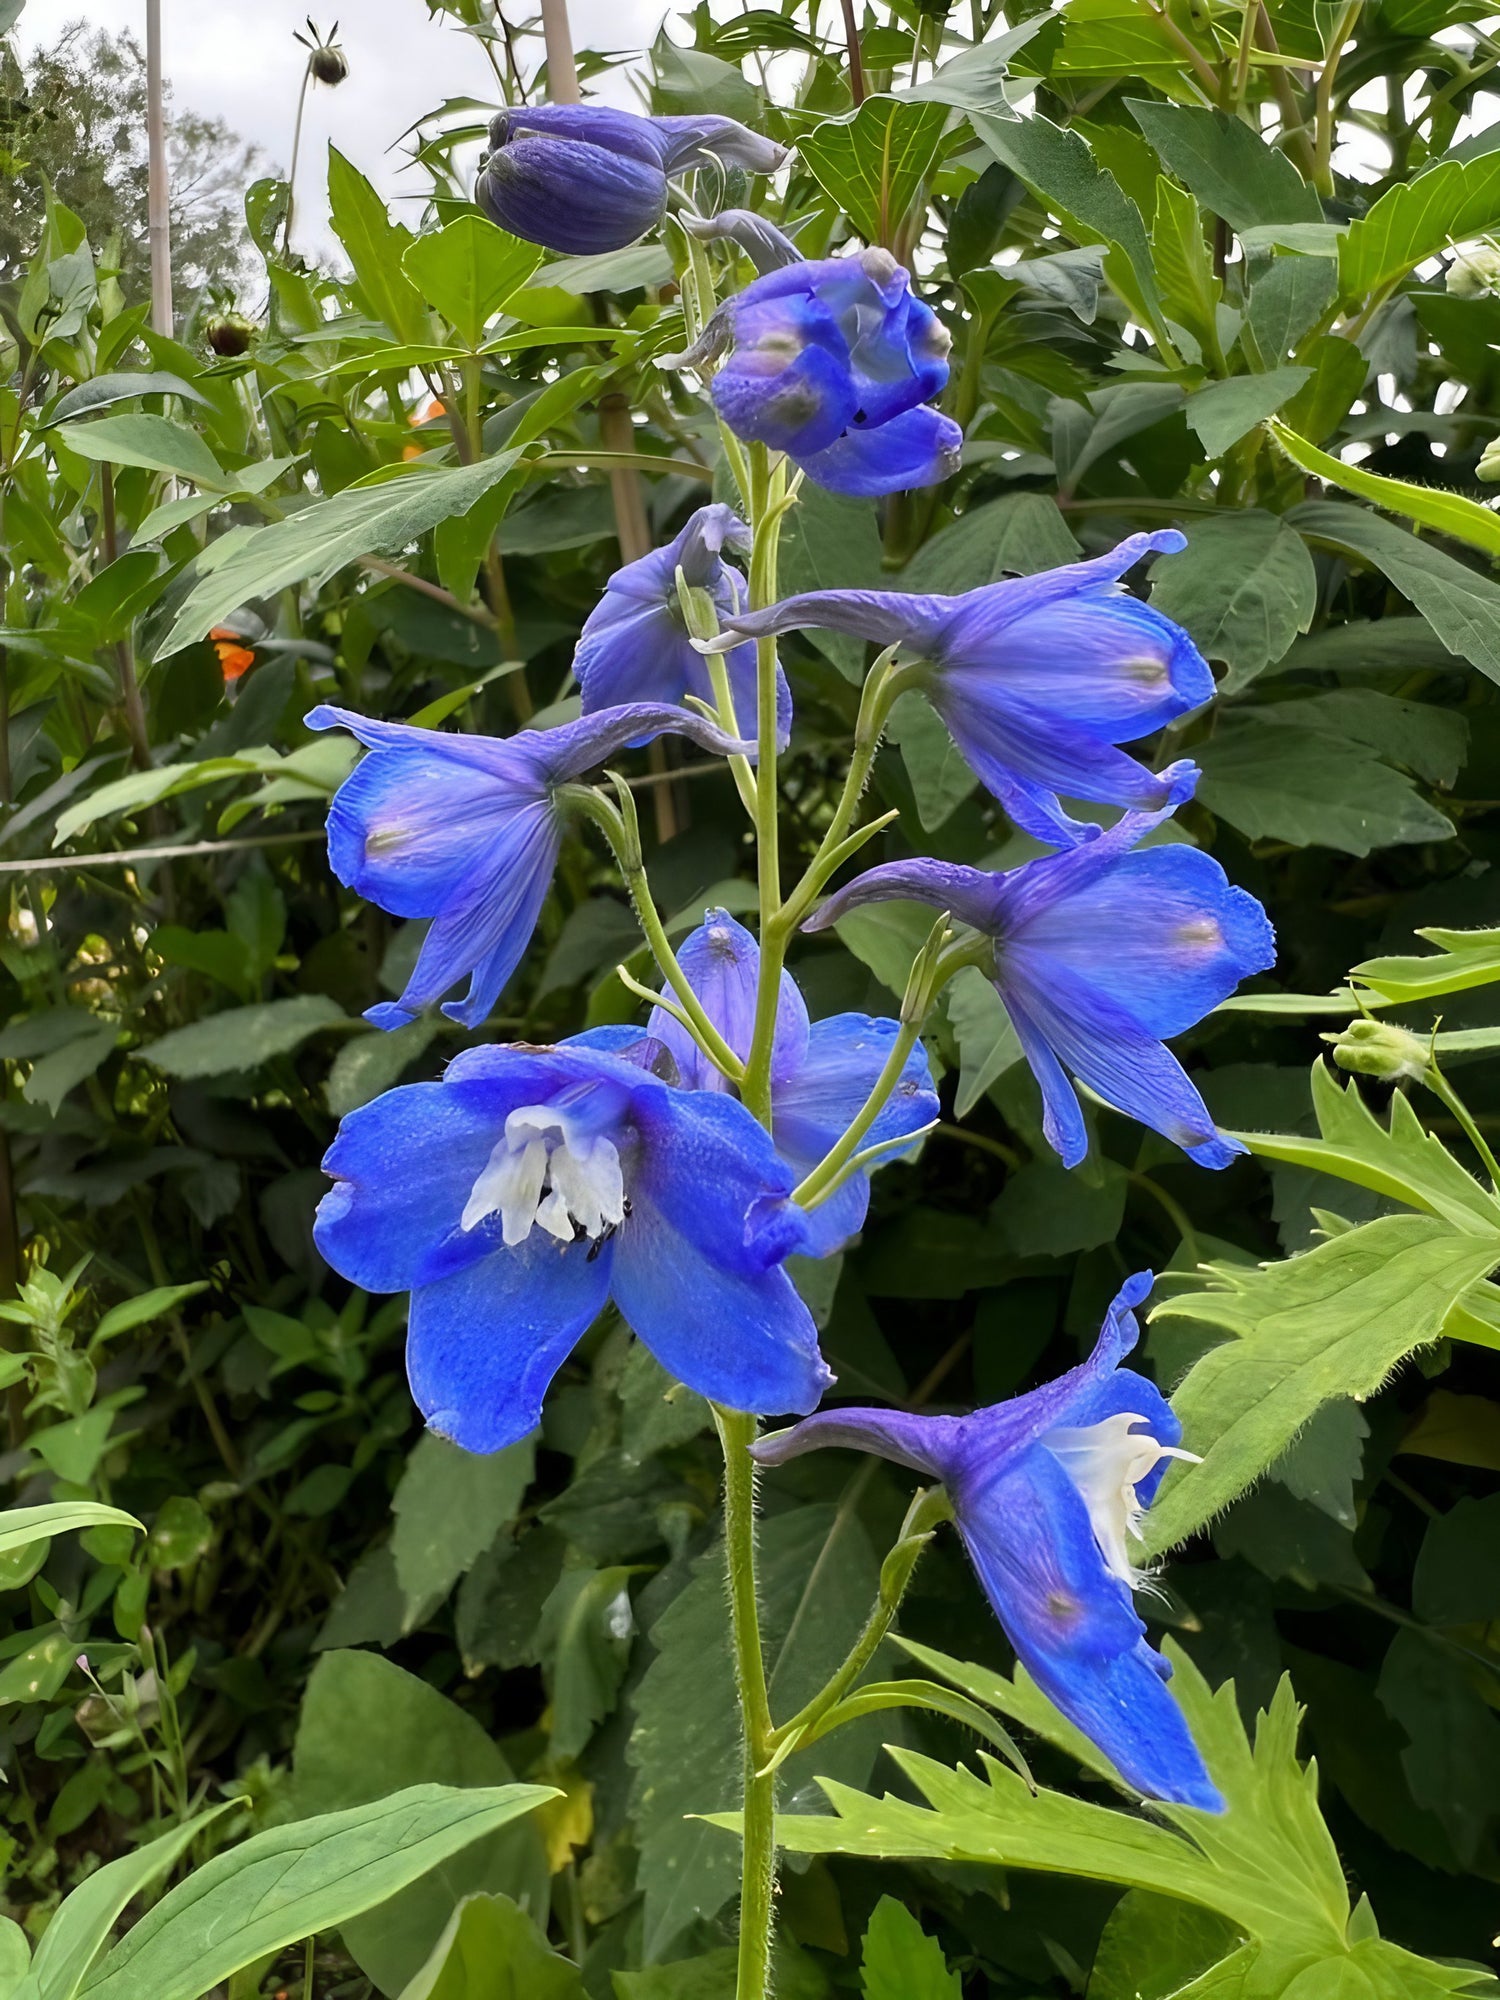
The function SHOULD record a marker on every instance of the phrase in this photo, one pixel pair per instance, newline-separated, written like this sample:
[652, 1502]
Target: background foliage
[1209, 278]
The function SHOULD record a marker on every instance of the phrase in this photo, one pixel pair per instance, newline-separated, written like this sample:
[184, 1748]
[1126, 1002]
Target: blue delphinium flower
[1036, 677]
[634, 645]
[832, 361]
[821, 1071]
[530, 1185]
[1099, 954]
[1047, 1491]
[466, 830]
[583, 178]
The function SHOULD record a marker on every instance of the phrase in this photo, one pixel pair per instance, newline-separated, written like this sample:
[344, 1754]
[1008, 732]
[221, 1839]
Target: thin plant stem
[291, 177]
[1443, 1090]
[158, 195]
[856, 61]
[1323, 119]
[737, 1433]
[768, 487]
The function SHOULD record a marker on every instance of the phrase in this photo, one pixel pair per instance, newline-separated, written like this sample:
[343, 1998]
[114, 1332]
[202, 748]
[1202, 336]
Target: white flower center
[546, 1173]
[1106, 1461]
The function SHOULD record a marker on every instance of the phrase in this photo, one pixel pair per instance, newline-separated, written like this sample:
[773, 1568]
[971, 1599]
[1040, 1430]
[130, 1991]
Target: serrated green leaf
[1016, 536]
[1224, 412]
[1275, 781]
[468, 270]
[1464, 959]
[1331, 1322]
[900, 1962]
[1190, 290]
[1402, 1160]
[376, 248]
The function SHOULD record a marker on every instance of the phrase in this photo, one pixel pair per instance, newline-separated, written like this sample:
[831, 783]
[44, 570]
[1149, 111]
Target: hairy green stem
[758, 1869]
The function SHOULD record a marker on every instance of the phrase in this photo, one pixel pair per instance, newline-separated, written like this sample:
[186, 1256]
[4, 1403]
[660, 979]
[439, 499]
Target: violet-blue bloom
[1047, 1491]
[1036, 677]
[634, 646]
[821, 1071]
[466, 830]
[583, 178]
[833, 362]
[1100, 954]
[530, 1185]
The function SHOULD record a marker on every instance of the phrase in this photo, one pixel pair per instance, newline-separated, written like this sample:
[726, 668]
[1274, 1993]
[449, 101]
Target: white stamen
[1106, 1462]
[546, 1174]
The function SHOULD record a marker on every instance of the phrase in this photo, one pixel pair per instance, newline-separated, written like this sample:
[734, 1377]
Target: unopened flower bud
[329, 64]
[1489, 463]
[229, 334]
[1380, 1048]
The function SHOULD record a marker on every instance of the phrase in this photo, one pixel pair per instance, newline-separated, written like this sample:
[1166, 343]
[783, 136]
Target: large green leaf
[449, 1507]
[874, 162]
[81, 1927]
[377, 247]
[1417, 218]
[1226, 164]
[1015, 536]
[241, 1038]
[375, 517]
[1460, 605]
[1224, 412]
[1244, 587]
[899, 1960]
[1275, 779]
[1332, 1322]
[292, 1881]
[1450, 513]
[156, 443]
[355, 1700]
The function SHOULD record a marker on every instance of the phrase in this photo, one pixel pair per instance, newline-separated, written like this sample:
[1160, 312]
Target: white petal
[1106, 1462]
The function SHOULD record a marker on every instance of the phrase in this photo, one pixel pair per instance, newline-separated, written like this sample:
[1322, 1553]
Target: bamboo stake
[158, 210]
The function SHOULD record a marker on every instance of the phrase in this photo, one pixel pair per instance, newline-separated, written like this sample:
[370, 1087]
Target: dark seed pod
[229, 334]
[329, 64]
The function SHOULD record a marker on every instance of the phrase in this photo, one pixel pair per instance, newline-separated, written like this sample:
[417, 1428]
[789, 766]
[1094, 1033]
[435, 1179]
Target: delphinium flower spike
[1038, 678]
[529, 1186]
[1048, 1491]
[466, 830]
[1101, 953]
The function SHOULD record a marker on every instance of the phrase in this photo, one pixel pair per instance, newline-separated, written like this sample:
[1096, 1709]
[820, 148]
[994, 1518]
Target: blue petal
[626, 133]
[1098, 1040]
[816, 1098]
[1063, 1125]
[918, 448]
[703, 137]
[483, 1345]
[787, 382]
[722, 963]
[1074, 1627]
[710, 1170]
[930, 1445]
[748, 1342]
[1026, 757]
[970, 894]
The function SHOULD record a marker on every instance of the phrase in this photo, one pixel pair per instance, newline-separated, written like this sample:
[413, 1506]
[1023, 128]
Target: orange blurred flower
[429, 413]
[235, 658]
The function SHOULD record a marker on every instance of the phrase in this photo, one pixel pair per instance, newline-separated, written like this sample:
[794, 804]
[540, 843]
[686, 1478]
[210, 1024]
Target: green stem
[768, 494]
[1443, 1090]
[758, 1874]
[1323, 120]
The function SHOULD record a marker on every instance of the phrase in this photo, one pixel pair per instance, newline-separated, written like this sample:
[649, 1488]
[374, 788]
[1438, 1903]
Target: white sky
[236, 59]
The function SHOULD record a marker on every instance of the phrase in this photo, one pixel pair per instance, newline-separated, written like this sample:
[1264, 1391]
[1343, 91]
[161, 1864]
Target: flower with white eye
[530, 1186]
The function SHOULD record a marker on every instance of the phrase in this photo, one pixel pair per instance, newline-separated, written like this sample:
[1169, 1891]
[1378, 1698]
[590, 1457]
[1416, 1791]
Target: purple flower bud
[582, 178]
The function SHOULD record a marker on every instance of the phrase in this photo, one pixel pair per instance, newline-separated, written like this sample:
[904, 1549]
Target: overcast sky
[235, 59]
